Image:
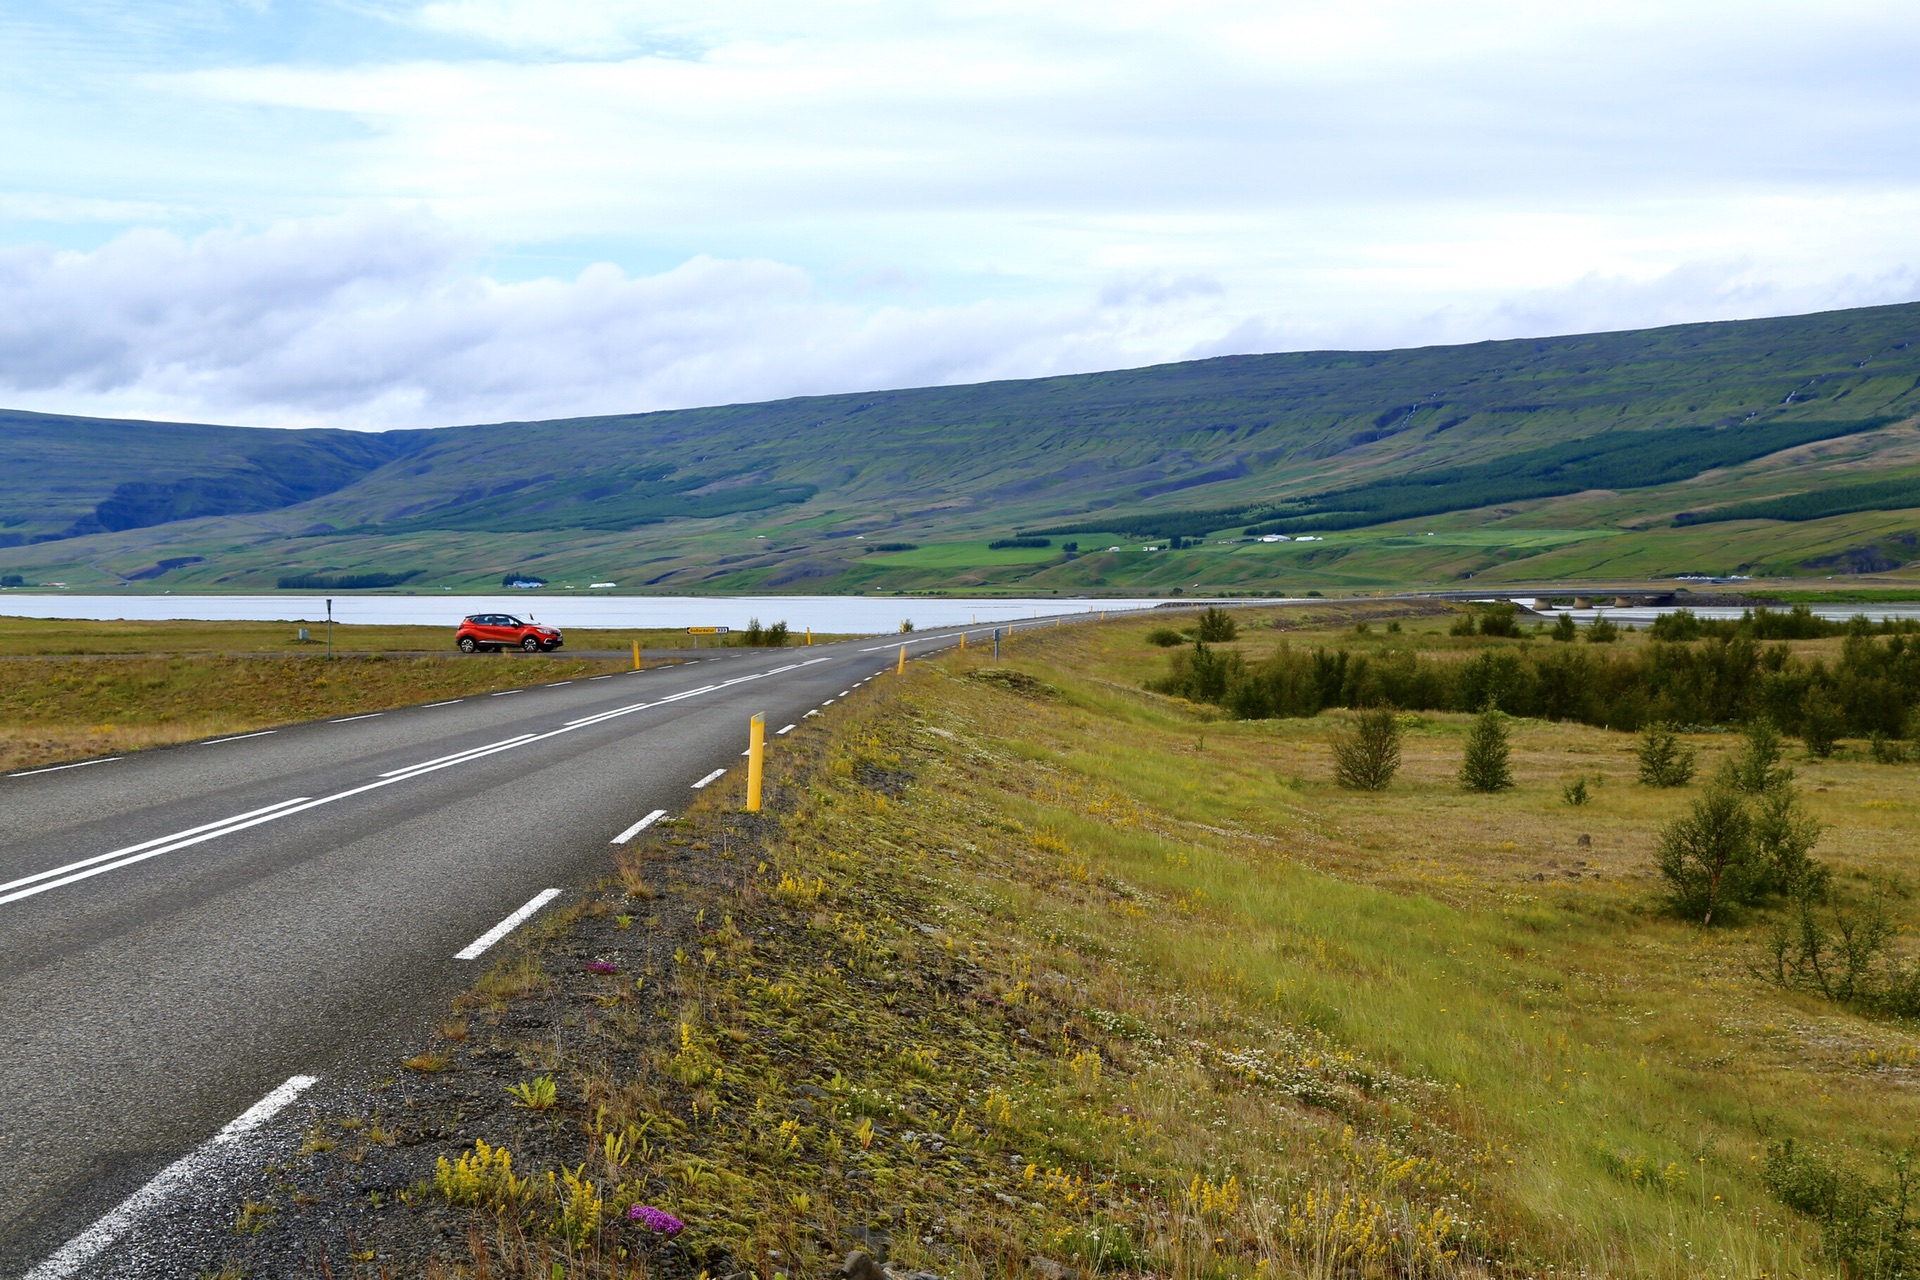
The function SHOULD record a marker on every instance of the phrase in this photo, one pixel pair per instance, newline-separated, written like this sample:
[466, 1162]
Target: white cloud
[417, 212]
[380, 320]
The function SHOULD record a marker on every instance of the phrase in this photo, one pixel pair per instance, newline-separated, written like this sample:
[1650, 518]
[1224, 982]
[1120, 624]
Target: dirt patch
[1016, 682]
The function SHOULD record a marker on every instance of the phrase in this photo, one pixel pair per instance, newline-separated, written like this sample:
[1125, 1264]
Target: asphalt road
[182, 930]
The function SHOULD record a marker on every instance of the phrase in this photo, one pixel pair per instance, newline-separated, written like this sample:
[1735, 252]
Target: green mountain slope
[64, 477]
[1564, 455]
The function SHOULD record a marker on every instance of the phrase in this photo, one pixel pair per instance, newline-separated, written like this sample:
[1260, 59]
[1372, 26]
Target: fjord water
[842, 614]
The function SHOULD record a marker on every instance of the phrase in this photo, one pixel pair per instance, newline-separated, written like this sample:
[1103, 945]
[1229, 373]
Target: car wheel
[531, 644]
[468, 644]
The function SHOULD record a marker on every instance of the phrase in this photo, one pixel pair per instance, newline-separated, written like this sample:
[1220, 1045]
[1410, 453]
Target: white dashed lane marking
[474, 949]
[638, 827]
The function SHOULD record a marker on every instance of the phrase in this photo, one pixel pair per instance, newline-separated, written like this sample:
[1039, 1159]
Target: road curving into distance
[187, 930]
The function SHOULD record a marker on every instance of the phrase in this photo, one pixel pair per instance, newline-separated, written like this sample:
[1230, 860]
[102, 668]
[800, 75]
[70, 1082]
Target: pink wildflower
[656, 1220]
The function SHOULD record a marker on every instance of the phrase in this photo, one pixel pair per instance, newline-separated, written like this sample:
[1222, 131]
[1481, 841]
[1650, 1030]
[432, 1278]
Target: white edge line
[55, 768]
[73, 1256]
[715, 776]
[474, 949]
[788, 729]
[811, 713]
[610, 675]
[238, 737]
[449, 702]
[638, 827]
[505, 692]
[350, 719]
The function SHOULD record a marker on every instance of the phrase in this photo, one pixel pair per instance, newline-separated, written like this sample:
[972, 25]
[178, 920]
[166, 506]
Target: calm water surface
[864, 615]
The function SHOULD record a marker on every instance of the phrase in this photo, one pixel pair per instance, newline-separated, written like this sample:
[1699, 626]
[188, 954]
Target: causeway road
[184, 930]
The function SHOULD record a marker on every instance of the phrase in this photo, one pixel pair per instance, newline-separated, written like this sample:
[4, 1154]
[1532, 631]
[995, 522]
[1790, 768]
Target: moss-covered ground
[1025, 969]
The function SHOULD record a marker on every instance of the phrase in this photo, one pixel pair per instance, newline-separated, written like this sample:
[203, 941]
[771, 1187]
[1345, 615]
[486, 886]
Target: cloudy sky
[377, 213]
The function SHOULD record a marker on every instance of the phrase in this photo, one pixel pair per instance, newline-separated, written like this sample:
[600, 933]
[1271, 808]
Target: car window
[508, 620]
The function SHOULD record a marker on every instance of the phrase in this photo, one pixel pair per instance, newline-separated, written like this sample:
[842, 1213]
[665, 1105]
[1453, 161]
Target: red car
[496, 631]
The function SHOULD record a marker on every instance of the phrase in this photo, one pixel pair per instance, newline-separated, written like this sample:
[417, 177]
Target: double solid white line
[100, 863]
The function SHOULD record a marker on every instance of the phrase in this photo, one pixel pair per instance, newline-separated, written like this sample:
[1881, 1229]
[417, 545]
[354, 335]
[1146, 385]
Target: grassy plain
[73, 689]
[59, 709]
[1028, 963]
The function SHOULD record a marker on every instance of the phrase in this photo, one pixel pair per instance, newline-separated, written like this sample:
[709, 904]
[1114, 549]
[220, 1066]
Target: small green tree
[1217, 626]
[1464, 625]
[1783, 837]
[1737, 848]
[1575, 792]
[1486, 767]
[1663, 761]
[1563, 629]
[1757, 768]
[1821, 721]
[1602, 630]
[1708, 857]
[1367, 755]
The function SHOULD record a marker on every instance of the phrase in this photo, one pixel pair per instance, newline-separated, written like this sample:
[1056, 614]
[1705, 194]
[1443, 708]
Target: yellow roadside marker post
[963, 642]
[900, 668]
[756, 753]
[636, 655]
[809, 637]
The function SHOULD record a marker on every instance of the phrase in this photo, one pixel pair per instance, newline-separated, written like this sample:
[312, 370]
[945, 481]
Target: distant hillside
[1768, 445]
[63, 477]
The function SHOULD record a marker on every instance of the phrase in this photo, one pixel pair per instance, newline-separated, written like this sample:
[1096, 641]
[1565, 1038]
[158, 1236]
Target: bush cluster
[1867, 1229]
[1718, 680]
[757, 636]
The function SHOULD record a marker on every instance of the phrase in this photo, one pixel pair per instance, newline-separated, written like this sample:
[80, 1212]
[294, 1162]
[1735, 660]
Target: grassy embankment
[1029, 963]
